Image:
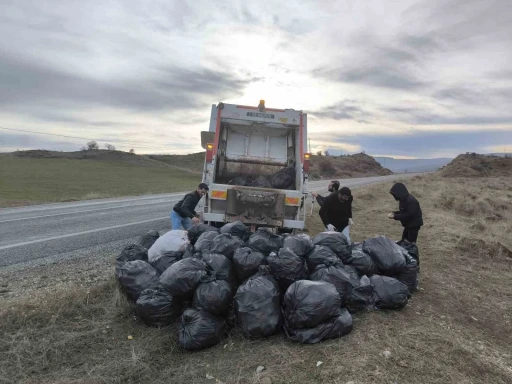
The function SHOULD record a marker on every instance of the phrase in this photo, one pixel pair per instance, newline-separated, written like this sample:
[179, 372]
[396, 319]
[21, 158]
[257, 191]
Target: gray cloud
[344, 110]
[393, 64]
[423, 143]
[130, 67]
[29, 82]
[426, 117]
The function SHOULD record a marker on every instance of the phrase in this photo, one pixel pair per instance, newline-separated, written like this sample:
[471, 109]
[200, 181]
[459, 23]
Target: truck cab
[256, 166]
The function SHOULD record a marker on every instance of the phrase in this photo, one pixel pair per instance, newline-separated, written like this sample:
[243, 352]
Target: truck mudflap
[255, 206]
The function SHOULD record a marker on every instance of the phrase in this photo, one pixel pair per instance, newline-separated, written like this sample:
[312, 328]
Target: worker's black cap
[203, 186]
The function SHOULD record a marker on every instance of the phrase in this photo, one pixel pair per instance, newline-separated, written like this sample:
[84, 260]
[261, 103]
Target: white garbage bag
[172, 241]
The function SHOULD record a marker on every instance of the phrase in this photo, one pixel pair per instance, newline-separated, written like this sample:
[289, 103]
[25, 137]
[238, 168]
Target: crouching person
[336, 212]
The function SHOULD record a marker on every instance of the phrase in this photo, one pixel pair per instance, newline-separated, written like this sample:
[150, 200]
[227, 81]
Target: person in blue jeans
[183, 214]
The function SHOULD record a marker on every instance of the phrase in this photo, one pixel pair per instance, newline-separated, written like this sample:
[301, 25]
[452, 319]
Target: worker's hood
[399, 191]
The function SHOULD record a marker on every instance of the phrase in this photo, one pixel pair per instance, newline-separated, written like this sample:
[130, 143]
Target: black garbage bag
[287, 267]
[362, 261]
[238, 180]
[260, 182]
[362, 297]
[132, 252]
[205, 242]
[386, 254]
[307, 304]
[156, 307]
[221, 265]
[188, 251]
[214, 296]
[320, 255]
[412, 249]
[183, 277]
[136, 276]
[149, 239]
[265, 241]
[226, 245]
[200, 329]
[352, 272]
[284, 178]
[195, 231]
[236, 228]
[389, 292]
[300, 244]
[247, 262]
[336, 242]
[258, 305]
[167, 259]
[335, 274]
[336, 327]
[410, 274]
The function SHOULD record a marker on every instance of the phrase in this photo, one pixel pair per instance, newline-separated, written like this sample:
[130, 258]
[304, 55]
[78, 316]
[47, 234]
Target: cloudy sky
[430, 78]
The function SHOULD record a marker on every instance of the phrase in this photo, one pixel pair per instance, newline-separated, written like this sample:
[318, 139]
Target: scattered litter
[209, 377]
[130, 337]
[386, 354]
[260, 369]
[319, 363]
[474, 318]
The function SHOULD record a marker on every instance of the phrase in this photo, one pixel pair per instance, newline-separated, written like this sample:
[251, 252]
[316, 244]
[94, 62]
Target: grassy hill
[193, 162]
[31, 177]
[38, 176]
[474, 165]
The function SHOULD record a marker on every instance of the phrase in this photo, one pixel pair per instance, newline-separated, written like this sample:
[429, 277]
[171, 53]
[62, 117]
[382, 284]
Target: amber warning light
[305, 166]
[209, 152]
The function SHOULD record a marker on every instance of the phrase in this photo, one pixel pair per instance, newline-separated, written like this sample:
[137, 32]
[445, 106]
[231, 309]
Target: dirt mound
[358, 165]
[474, 165]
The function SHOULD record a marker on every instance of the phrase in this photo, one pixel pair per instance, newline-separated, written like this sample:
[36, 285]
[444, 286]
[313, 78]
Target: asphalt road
[40, 234]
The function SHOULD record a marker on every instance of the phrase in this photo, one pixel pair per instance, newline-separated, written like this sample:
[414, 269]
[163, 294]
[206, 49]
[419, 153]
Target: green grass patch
[38, 180]
[193, 161]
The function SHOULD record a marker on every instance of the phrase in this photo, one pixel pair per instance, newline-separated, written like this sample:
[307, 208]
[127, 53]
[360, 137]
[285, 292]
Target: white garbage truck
[256, 166]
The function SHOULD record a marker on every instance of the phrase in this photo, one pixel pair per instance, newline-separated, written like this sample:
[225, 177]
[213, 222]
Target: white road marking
[80, 233]
[90, 210]
[78, 204]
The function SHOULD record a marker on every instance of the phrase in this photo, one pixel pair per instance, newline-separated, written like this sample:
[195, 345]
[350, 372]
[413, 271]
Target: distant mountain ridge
[412, 165]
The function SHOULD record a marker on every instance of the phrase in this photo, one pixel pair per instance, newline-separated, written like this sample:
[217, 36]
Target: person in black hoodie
[336, 212]
[183, 213]
[333, 187]
[409, 212]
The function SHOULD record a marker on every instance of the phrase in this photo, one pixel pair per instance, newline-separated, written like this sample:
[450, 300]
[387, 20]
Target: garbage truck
[256, 166]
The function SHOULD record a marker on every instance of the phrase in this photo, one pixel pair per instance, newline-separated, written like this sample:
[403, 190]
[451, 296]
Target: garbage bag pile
[282, 179]
[209, 280]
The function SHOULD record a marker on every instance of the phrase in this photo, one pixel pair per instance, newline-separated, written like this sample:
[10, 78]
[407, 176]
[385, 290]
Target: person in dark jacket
[409, 212]
[183, 213]
[336, 212]
[332, 188]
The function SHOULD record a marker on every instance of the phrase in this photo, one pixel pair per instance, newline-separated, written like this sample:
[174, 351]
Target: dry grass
[456, 329]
